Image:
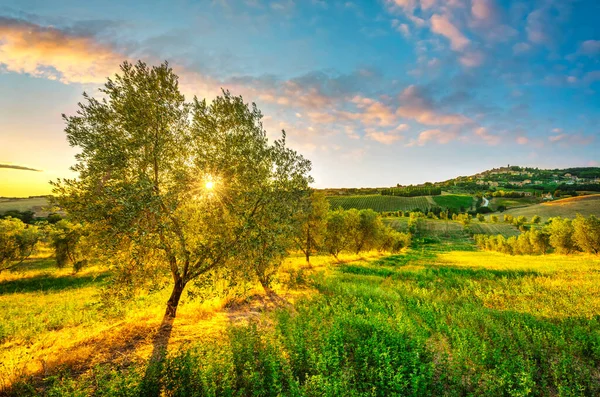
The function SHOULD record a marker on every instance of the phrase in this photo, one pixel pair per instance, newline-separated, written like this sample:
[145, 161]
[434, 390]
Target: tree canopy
[175, 186]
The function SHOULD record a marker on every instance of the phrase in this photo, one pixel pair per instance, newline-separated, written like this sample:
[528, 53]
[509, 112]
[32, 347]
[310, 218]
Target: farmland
[494, 228]
[454, 201]
[512, 202]
[380, 203]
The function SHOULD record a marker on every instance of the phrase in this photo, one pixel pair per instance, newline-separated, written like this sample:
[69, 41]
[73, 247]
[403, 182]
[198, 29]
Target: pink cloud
[387, 138]
[434, 135]
[441, 25]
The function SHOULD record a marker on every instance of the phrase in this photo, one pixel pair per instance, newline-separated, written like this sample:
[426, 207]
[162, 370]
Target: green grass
[512, 202]
[379, 203]
[453, 201]
[441, 320]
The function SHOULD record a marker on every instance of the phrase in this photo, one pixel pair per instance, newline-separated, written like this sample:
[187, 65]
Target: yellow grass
[74, 333]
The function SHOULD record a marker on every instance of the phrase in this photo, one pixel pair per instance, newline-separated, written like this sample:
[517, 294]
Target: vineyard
[380, 203]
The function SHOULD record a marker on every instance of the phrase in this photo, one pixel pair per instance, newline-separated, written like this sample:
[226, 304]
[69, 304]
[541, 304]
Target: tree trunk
[173, 301]
[307, 252]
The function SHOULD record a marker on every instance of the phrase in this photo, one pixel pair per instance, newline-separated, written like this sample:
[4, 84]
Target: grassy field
[454, 201]
[585, 205]
[437, 320]
[25, 204]
[512, 202]
[380, 203]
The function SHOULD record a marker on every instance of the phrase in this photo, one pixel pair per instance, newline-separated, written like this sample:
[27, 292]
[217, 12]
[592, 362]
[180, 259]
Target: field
[494, 228]
[454, 201]
[585, 205]
[512, 202]
[32, 204]
[438, 320]
[380, 203]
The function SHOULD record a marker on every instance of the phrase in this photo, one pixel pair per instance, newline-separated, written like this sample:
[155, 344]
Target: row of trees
[563, 235]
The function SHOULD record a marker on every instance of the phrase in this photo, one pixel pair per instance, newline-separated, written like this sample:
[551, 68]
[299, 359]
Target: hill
[35, 204]
[569, 207]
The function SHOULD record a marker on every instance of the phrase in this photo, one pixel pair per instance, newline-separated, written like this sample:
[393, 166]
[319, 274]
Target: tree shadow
[47, 282]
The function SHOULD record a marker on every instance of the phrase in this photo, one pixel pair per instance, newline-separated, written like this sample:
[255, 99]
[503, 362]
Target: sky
[374, 93]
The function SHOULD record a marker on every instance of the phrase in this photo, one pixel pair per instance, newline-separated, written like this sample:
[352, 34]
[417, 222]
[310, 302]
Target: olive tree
[173, 187]
[311, 223]
[17, 242]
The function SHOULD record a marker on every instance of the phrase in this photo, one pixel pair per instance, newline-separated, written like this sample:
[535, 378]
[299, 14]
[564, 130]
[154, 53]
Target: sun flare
[209, 185]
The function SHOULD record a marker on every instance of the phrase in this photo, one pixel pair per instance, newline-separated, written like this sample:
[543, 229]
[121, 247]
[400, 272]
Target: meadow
[438, 319]
[381, 203]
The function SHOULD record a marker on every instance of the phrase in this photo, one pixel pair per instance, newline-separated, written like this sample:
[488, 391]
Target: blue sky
[373, 92]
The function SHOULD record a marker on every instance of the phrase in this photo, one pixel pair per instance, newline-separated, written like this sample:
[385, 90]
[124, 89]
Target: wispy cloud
[18, 167]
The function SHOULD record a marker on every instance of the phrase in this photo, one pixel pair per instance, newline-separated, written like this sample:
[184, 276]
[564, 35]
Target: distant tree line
[562, 235]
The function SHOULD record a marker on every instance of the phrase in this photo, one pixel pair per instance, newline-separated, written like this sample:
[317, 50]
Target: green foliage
[586, 233]
[561, 235]
[68, 241]
[145, 158]
[311, 221]
[536, 219]
[18, 242]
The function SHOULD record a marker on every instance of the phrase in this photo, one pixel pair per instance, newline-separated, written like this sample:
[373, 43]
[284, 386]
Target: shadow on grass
[48, 282]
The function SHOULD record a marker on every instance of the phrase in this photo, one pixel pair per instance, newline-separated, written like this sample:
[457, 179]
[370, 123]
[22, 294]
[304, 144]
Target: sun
[209, 185]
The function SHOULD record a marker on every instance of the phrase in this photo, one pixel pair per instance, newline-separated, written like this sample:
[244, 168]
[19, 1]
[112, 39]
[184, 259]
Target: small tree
[481, 217]
[586, 233]
[311, 222]
[368, 230]
[560, 231]
[539, 241]
[536, 219]
[494, 218]
[337, 237]
[18, 242]
[66, 240]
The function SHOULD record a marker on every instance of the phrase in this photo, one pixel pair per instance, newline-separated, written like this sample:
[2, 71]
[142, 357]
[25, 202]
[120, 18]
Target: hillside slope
[569, 207]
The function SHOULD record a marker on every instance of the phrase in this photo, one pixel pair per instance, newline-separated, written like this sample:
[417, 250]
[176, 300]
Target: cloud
[441, 24]
[18, 167]
[472, 59]
[490, 139]
[522, 140]
[417, 106]
[566, 139]
[483, 10]
[55, 54]
[590, 48]
[387, 138]
[434, 135]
